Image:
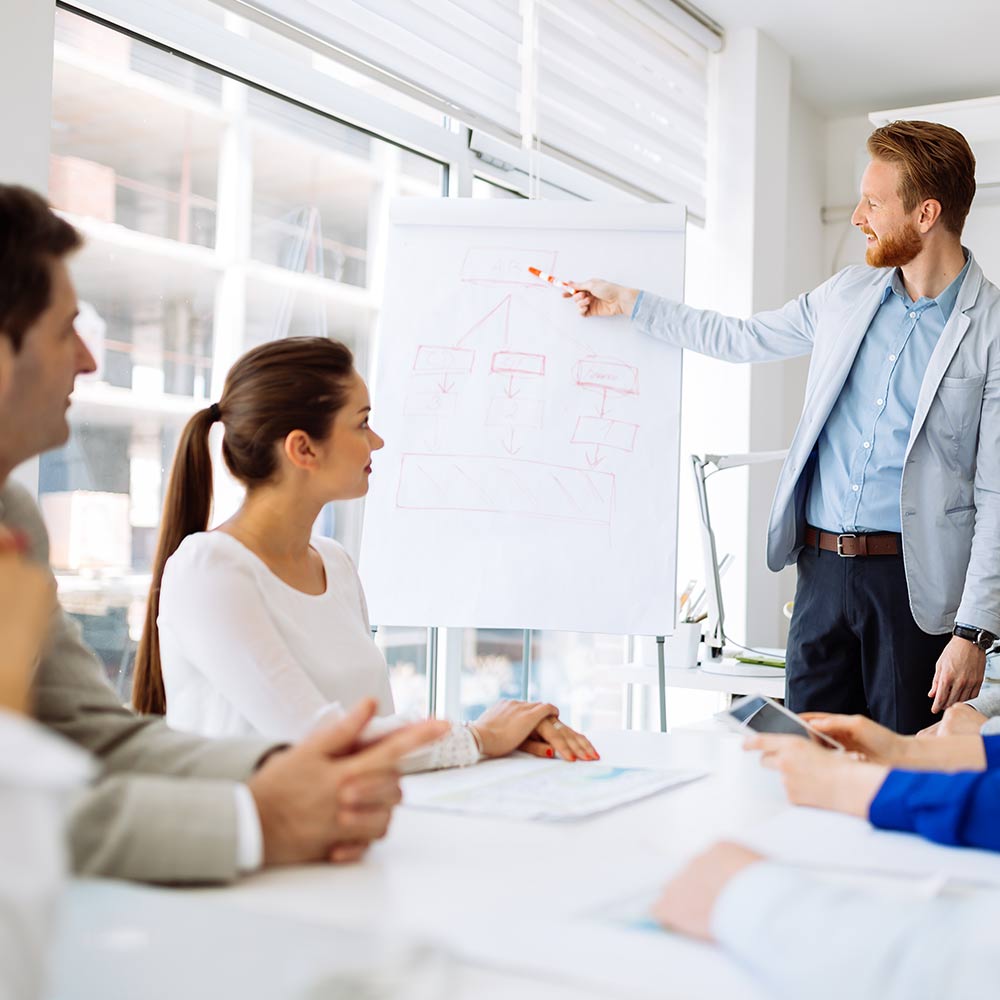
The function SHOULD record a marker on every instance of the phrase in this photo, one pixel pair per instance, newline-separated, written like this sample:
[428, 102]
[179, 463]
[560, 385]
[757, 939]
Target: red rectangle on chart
[615, 376]
[608, 433]
[515, 363]
[443, 359]
[514, 487]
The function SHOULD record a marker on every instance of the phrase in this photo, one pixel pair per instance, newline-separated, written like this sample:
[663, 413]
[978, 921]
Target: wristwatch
[977, 636]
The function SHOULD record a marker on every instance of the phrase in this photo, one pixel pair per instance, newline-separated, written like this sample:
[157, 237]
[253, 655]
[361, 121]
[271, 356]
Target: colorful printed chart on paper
[549, 790]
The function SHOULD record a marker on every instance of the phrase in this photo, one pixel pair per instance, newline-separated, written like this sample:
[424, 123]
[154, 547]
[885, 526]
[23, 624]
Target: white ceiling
[854, 56]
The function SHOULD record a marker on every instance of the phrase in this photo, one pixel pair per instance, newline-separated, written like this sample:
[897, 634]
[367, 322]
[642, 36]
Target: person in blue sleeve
[889, 499]
[947, 790]
[802, 936]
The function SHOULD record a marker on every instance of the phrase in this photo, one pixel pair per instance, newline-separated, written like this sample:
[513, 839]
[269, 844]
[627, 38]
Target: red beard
[894, 249]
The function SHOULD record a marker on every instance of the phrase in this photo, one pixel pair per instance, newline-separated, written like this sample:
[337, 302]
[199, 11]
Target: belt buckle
[840, 546]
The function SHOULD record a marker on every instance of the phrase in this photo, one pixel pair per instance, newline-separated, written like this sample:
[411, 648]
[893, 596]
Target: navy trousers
[853, 645]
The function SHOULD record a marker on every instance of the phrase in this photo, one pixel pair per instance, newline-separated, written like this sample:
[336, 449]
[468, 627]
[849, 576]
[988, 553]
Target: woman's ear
[298, 449]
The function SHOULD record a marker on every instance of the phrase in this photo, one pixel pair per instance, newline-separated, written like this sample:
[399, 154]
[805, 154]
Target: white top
[37, 772]
[803, 937]
[244, 653]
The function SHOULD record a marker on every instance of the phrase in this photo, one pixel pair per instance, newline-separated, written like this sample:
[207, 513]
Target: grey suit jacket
[163, 808]
[988, 702]
[950, 493]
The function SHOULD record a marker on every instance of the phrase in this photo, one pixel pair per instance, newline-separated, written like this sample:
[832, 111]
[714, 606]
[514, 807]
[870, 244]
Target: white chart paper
[530, 473]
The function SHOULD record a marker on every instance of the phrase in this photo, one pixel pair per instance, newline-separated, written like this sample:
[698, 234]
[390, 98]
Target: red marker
[551, 279]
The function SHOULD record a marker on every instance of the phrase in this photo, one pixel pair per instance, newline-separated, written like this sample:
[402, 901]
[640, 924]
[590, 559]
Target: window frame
[465, 155]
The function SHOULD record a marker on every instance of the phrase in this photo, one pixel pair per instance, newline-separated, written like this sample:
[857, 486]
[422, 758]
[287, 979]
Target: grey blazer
[163, 808]
[950, 493]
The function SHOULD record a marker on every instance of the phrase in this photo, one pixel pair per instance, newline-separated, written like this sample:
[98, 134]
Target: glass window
[482, 188]
[405, 650]
[216, 217]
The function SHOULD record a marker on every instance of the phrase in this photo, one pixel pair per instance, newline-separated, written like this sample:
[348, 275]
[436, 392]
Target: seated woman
[947, 789]
[260, 626]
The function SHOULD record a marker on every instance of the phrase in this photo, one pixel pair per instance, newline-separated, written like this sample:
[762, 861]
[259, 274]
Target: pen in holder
[682, 647]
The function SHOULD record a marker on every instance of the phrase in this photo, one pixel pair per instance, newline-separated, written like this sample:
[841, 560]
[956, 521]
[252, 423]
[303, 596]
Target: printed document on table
[528, 788]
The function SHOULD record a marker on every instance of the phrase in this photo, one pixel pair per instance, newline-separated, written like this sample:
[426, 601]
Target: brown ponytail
[294, 384]
[186, 509]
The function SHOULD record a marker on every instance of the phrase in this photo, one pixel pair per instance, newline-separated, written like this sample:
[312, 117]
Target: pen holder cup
[682, 647]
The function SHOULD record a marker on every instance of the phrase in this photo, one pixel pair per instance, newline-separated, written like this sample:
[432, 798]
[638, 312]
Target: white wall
[763, 244]
[777, 389]
[846, 158]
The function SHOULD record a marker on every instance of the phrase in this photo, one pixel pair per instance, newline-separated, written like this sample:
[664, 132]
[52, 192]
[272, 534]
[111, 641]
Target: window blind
[617, 87]
[621, 89]
[462, 56]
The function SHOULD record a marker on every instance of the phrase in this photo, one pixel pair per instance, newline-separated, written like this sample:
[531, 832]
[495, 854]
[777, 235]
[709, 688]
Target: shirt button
[855, 487]
[879, 402]
[892, 357]
[867, 444]
[913, 315]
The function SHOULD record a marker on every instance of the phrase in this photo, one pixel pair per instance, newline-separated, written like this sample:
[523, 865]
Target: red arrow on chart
[445, 385]
[597, 459]
[508, 445]
[510, 392]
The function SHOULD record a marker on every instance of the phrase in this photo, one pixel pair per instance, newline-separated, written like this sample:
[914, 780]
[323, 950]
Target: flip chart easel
[530, 474]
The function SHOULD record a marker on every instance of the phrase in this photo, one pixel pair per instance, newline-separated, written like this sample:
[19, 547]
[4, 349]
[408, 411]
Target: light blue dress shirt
[859, 454]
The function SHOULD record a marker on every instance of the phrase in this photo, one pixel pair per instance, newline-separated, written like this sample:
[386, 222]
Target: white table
[519, 907]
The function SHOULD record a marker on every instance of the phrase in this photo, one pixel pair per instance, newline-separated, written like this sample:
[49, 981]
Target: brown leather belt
[877, 543]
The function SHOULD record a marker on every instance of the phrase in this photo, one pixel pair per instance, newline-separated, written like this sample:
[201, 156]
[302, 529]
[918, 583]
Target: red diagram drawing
[431, 359]
[605, 433]
[614, 376]
[490, 485]
[429, 404]
[503, 266]
[517, 363]
[495, 324]
[506, 412]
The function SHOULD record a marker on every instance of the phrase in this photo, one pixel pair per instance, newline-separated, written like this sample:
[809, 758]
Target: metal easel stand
[661, 677]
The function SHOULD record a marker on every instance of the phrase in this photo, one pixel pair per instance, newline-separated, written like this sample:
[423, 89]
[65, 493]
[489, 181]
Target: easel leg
[662, 679]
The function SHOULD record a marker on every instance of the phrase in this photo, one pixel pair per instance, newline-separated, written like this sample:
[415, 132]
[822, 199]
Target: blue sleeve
[991, 744]
[960, 809]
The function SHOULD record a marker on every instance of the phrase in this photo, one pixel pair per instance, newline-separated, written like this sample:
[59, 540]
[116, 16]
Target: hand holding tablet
[760, 714]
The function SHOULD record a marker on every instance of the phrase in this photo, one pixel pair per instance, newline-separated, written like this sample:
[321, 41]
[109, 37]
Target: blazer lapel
[944, 350]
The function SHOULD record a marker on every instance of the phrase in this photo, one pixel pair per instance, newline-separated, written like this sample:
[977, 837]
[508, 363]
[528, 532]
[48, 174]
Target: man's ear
[930, 212]
[299, 450]
[6, 365]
